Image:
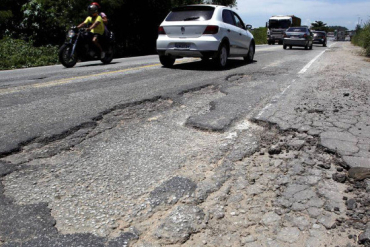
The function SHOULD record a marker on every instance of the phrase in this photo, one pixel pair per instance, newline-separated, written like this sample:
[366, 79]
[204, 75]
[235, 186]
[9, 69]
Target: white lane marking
[305, 68]
[274, 100]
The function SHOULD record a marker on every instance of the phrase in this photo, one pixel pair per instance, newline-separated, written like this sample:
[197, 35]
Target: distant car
[319, 37]
[298, 36]
[204, 31]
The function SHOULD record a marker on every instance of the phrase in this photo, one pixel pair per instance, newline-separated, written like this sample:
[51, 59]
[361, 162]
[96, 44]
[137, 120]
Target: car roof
[299, 27]
[211, 5]
[208, 5]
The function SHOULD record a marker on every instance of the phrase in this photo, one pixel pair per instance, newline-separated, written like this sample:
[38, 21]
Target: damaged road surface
[139, 155]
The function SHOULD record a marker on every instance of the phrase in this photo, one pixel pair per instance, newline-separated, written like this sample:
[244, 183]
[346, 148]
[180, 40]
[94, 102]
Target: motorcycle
[79, 47]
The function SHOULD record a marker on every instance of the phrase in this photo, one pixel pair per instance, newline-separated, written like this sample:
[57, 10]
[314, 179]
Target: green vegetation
[260, 35]
[16, 53]
[319, 26]
[362, 38]
[135, 24]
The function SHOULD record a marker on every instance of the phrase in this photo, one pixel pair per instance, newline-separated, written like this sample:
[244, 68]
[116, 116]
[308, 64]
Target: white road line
[305, 68]
[274, 99]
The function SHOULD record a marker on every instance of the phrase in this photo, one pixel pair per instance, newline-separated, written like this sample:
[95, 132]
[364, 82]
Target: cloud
[342, 13]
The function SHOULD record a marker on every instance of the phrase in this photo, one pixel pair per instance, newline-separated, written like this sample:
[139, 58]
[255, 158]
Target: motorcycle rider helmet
[92, 9]
[96, 4]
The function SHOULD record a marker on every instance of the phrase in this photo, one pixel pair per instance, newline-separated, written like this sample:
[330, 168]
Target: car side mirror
[248, 27]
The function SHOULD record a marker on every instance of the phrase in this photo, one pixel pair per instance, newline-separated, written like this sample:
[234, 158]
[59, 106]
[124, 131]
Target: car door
[242, 37]
[231, 30]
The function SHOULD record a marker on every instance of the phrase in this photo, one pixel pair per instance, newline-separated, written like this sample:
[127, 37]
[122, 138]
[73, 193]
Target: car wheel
[250, 55]
[306, 47]
[290, 47]
[310, 47]
[220, 59]
[167, 61]
[284, 47]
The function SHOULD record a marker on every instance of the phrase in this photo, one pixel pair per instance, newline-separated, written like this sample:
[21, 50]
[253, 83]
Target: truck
[277, 25]
[339, 35]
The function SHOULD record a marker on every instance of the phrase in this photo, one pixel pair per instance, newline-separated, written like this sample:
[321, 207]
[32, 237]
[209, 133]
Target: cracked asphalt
[257, 155]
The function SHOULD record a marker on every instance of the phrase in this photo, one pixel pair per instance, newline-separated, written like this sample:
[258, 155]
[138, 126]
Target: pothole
[239, 78]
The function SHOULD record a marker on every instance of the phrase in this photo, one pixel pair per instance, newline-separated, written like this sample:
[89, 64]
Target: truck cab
[277, 25]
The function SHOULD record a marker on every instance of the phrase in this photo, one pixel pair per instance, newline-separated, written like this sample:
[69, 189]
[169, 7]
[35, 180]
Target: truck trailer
[277, 25]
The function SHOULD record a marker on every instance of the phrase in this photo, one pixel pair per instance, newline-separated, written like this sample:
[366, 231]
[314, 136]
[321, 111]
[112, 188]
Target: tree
[319, 26]
[10, 16]
[135, 23]
[338, 28]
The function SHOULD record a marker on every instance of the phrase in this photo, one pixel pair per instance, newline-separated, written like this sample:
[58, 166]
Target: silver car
[204, 31]
[298, 36]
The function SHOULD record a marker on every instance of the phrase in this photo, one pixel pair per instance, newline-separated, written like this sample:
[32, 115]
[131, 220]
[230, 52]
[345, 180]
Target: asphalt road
[132, 153]
[49, 102]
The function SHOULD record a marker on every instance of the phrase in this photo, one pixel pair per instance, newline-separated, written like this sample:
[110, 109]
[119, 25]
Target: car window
[297, 29]
[191, 13]
[227, 17]
[238, 21]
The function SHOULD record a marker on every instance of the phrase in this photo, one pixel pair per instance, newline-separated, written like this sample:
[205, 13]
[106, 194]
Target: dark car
[298, 36]
[319, 37]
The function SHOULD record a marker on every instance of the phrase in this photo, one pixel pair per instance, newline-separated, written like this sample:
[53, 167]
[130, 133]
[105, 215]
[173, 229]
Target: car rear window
[191, 13]
[297, 29]
[319, 34]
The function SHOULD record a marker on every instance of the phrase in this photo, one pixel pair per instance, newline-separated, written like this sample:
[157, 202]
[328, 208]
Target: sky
[346, 13]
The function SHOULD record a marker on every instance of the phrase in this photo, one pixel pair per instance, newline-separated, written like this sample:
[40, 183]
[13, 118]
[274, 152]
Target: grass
[16, 53]
[362, 38]
[260, 35]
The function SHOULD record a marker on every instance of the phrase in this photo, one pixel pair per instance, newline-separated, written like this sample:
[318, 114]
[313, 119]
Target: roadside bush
[260, 35]
[16, 53]
[362, 38]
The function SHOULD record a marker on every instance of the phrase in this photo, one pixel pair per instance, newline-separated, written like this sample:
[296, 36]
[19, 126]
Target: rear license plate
[182, 46]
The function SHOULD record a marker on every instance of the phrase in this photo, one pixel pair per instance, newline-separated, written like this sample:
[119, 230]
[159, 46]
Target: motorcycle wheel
[65, 58]
[108, 56]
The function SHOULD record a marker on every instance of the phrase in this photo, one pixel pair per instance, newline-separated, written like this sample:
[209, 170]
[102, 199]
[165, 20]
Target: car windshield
[297, 29]
[279, 24]
[191, 13]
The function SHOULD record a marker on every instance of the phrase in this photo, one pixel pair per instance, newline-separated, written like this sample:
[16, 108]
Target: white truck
[277, 25]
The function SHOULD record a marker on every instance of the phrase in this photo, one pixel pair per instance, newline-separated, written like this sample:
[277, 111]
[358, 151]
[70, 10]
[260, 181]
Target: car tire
[250, 56]
[290, 47]
[220, 60]
[284, 47]
[166, 61]
[310, 47]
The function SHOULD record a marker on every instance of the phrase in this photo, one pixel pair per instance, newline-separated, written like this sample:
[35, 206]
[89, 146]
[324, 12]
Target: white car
[204, 31]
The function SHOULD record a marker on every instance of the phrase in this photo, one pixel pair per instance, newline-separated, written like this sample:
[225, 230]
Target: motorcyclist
[102, 14]
[96, 26]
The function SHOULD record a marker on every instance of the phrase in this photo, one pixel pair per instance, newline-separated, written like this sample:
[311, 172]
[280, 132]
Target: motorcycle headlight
[71, 34]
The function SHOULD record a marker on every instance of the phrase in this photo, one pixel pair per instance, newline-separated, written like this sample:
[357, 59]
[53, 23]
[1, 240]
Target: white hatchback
[205, 31]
